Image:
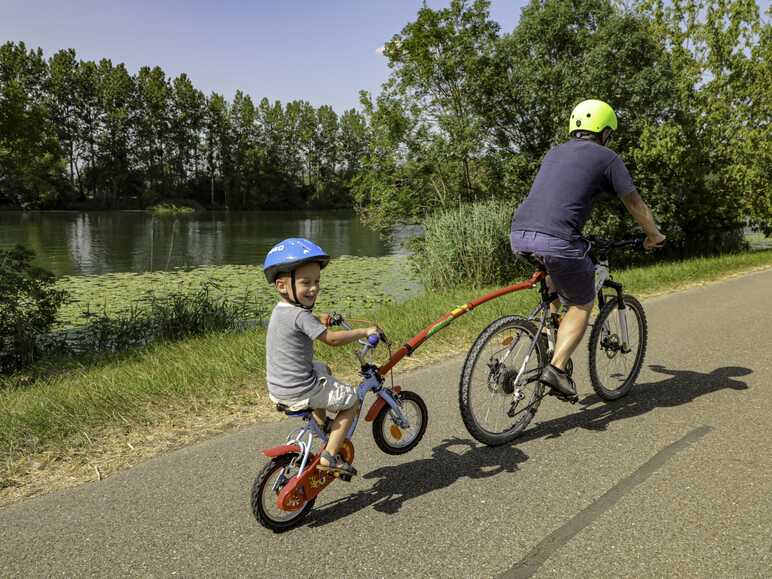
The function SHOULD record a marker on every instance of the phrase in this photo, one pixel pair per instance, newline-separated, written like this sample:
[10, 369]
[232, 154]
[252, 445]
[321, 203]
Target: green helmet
[593, 116]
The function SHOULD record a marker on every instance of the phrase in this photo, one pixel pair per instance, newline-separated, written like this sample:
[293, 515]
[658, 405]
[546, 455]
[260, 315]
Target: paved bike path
[674, 480]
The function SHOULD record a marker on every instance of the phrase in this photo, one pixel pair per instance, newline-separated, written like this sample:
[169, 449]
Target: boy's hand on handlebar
[654, 241]
[372, 331]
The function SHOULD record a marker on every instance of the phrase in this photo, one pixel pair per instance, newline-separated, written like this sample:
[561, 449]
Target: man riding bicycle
[549, 223]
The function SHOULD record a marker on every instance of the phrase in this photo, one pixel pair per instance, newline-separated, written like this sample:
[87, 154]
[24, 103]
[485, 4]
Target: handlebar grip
[373, 340]
[334, 319]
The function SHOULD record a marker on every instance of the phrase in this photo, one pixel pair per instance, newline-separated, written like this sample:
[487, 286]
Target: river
[93, 243]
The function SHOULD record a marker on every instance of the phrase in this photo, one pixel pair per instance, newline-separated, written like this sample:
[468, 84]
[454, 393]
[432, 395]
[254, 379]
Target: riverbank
[99, 417]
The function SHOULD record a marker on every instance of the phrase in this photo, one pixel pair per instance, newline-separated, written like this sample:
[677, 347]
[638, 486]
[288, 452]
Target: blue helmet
[287, 255]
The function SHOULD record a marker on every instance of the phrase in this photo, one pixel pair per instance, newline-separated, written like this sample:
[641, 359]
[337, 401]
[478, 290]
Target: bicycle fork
[621, 316]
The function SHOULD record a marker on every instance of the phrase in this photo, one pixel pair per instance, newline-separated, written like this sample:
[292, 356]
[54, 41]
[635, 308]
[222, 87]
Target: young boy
[295, 379]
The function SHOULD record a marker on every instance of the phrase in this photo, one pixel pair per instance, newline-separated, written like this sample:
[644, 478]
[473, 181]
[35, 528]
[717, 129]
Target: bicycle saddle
[282, 408]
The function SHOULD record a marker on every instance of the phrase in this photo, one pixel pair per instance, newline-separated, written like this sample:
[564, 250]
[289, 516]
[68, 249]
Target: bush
[28, 306]
[467, 246]
[175, 317]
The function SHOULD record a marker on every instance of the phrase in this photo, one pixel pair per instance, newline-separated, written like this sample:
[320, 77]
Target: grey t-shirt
[570, 179]
[289, 351]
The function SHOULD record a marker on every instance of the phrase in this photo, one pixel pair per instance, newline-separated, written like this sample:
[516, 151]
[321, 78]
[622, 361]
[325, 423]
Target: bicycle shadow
[394, 485]
[681, 388]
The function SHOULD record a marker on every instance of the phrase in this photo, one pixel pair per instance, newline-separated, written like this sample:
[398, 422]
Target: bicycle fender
[282, 450]
[377, 405]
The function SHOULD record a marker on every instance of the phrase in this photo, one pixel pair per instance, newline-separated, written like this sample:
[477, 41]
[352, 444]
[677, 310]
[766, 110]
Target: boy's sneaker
[559, 381]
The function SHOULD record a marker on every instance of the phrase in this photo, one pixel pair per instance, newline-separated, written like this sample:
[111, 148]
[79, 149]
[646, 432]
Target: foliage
[30, 161]
[77, 133]
[175, 316]
[467, 246]
[426, 149]
[349, 284]
[468, 112]
[28, 305]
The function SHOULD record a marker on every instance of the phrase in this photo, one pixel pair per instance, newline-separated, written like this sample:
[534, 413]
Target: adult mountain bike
[500, 389]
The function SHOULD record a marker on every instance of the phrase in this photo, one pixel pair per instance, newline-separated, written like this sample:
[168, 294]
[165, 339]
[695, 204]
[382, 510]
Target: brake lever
[334, 319]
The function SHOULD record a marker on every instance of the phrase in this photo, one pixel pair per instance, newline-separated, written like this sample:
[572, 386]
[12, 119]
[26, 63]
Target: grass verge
[88, 420]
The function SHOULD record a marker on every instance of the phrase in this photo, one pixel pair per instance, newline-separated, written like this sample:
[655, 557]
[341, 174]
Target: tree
[63, 106]
[218, 145]
[245, 155]
[31, 166]
[720, 54]
[187, 114]
[430, 95]
[116, 94]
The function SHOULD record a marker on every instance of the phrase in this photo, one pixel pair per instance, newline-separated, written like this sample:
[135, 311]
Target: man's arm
[643, 217]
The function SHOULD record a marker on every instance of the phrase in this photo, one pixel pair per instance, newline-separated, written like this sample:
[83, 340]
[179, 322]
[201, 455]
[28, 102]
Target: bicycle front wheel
[499, 391]
[614, 364]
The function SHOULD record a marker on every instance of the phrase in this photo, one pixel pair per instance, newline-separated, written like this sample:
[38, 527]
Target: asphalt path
[674, 480]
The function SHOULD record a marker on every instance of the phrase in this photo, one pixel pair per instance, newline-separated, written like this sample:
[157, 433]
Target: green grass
[140, 388]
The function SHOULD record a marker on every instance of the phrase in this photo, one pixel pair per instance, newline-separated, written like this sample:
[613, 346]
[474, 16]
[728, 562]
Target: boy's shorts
[331, 394]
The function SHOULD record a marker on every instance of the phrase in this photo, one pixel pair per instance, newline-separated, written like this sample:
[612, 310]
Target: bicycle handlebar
[370, 343]
[602, 247]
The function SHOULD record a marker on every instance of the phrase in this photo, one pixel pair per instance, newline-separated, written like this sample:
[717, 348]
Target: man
[549, 223]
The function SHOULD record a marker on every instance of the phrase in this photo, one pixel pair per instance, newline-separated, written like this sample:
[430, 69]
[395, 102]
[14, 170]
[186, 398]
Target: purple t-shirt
[571, 177]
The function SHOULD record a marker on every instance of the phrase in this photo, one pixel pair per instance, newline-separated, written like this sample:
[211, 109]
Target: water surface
[93, 243]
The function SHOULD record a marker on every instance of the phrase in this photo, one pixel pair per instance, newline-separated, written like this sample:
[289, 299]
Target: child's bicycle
[285, 490]
[500, 391]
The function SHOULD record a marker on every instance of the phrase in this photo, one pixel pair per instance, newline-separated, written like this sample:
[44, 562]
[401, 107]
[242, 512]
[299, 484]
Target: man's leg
[570, 333]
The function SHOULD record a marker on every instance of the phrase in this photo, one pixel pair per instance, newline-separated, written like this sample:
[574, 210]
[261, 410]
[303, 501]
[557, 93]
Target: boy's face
[307, 284]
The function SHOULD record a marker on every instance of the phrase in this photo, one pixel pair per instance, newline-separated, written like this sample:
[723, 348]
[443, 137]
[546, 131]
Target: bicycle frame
[308, 482]
[542, 313]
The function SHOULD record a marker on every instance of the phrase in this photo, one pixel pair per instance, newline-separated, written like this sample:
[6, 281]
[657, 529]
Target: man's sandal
[337, 467]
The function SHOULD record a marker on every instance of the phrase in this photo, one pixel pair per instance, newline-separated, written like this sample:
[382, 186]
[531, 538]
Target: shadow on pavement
[682, 387]
[399, 483]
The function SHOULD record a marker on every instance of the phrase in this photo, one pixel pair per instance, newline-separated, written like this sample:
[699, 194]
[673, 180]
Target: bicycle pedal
[564, 397]
[345, 477]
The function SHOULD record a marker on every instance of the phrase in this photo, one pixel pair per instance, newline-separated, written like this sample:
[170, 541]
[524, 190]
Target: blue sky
[322, 51]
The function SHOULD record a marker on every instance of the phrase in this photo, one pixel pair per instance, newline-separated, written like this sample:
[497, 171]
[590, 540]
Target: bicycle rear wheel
[499, 391]
[266, 488]
[614, 366]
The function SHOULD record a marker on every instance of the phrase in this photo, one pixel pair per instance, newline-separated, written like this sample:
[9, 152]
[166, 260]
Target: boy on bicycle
[294, 378]
[549, 223]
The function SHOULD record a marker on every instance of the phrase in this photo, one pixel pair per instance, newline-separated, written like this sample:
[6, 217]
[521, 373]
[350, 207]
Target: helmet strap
[294, 299]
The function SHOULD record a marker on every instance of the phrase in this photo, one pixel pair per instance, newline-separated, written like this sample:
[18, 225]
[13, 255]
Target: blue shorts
[570, 269]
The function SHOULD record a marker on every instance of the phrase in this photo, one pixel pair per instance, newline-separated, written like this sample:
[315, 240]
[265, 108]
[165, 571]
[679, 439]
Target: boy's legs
[340, 426]
[335, 397]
